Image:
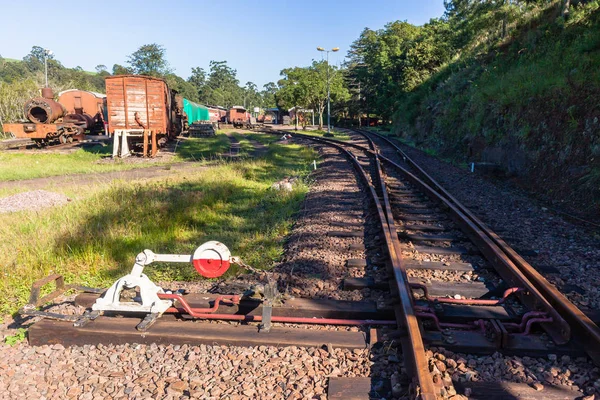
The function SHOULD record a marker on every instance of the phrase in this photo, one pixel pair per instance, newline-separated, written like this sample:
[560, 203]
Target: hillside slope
[531, 104]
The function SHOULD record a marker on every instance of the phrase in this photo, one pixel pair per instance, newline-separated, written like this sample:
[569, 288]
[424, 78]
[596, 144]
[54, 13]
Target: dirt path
[235, 147]
[103, 177]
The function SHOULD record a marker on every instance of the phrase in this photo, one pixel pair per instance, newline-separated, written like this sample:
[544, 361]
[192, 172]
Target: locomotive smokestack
[47, 93]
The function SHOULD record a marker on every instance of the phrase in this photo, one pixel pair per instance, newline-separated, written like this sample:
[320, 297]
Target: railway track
[502, 306]
[513, 310]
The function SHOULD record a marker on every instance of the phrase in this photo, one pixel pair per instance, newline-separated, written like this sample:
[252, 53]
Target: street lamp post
[46, 54]
[328, 98]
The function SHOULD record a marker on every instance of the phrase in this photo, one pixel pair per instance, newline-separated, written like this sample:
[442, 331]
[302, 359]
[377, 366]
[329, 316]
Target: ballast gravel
[137, 371]
[32, 200]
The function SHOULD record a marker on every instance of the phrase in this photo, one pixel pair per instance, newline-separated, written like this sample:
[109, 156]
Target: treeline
[21, 80]
[219, 86]
[513, 82]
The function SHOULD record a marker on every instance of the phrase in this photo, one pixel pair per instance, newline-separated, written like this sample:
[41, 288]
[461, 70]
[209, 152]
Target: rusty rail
[582, 326]
[415, 351]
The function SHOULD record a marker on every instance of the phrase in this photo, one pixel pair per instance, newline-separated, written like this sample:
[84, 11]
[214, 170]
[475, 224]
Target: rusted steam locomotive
[75, 112]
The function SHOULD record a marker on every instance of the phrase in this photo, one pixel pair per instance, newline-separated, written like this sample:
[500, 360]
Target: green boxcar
[195, 112]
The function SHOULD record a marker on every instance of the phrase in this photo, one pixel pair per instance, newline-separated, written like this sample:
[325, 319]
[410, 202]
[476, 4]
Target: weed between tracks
[94, 239]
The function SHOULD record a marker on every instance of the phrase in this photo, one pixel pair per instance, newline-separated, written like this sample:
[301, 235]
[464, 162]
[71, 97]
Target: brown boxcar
[237, 116]
[139, 102]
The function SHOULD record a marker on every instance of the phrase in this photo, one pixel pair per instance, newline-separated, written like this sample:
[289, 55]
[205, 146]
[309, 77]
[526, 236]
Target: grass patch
[17, 166]
[202, 148]
[94, 240]
[336, 134]
[246, 148]
[17, 338]
[263, 138]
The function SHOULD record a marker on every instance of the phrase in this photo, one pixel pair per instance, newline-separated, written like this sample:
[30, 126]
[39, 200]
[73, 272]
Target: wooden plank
[505, 390]
[296, 307]
[169, 330]
[429, 238]
[417, 210]
[346, 224]
[401, 191]
[349, 388]
[437, 217]
[357, 247]
[440, 250]
[356, 263]
[413, 206]
[465, 289]
[364, 283]
[346, 202]
[425, 228]
[440, 266]
[358, 283]
[346, 234]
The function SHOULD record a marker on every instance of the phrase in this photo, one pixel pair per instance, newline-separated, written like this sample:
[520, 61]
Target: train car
[141, 110]
[87, 107]
[195, 112]
[48, 122]
[237, 116]
[217, 114]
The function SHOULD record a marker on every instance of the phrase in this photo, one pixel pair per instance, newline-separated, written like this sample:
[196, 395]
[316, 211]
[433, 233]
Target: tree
[198, 80]
[101, 68]
[307, 87]
[120, 70]
[222, 86]
[252, 97]
[149, 59]
[183, 87]
[268, 95]
[35, 59]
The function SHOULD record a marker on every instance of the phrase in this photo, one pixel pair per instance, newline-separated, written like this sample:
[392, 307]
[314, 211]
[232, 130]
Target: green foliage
[12, 97]
[149, 59]
[17, 338]
[307, 87]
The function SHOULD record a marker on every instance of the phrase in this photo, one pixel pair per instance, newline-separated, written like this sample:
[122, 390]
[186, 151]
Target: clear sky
[257, 38]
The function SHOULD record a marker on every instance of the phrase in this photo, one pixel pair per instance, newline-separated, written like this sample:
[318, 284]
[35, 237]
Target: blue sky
[257, 38]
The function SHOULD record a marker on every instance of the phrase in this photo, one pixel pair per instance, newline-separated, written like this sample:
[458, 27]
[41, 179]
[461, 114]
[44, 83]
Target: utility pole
[46, 54]
[328, 97]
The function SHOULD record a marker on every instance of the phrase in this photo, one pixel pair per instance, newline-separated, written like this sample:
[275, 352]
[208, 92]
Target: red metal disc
[212, 259]
[210, 267]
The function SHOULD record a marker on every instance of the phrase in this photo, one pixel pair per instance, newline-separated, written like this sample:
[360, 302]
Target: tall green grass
[95, 238]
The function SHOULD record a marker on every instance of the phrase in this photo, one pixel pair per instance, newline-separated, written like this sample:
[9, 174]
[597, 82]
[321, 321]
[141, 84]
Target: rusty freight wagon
[89, 108]
[237, 116]
[142, 111]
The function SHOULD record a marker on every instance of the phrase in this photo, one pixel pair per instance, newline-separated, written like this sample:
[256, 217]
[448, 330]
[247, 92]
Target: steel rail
[416, 350]
[584, 328]
[558, 329]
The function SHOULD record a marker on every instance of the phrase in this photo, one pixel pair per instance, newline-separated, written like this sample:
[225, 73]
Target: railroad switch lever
[211, 260]
[270, 293]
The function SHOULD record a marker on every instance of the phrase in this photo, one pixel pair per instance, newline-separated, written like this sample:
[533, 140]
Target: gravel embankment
[565, 253]
[32, 200]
